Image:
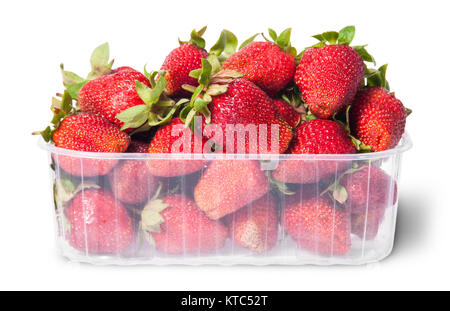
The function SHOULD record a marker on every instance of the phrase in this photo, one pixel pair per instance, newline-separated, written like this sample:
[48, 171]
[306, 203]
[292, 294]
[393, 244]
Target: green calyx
[100, 65]
[196, 38]
[225, 46]
[336, 190]
[212, 82]
[248, 41]
[344, 37]
[65, 189]
[62, 106]
[283, 40]
[377, 77]
[157, 108]
[151, 219]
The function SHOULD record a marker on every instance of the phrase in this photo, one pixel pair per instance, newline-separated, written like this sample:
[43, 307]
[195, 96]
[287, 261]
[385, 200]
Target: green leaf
[195, 73]
[202, 31]
[216, 66]
[184, 113]
[226, 45]
[100, 64]
[200, 104]
[196, 38]
[74, 89]
[46, 134]
[219, 46]
[331, 36]
[189, 88]
[346, 35]
[284, 39]
[190, 117]
[144, 92]
[156, 92]
[205, 73]
[248, 41]
[100, 56]
[361, 50]
[70, 78]
[310, 117]
[293, 51]
[328, 36]
[66, 102]
[134, 116]
[231, 44]
[273, 34]
[196, 93]
[378, 77]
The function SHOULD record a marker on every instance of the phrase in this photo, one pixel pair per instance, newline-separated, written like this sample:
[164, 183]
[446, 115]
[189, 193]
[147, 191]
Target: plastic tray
[350, 233]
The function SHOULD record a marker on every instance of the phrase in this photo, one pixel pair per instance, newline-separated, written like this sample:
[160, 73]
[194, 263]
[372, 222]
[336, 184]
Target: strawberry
[288, 112]
[377, 118]
[175, 225]
[329, 76]
[165, 140]
[91, 133]
[99, 224]
[240, 117]
[228, 185]
[137, 146]
[369, 188]
[131, 183]
[181, 61]
[315, 137]
[124, 96]
[245, 104]
[270, 65]
[365, 225]
[256, 225]
[112, 93]
[317, 225]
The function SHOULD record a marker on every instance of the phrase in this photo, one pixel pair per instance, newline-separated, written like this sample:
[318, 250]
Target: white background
[412, 36]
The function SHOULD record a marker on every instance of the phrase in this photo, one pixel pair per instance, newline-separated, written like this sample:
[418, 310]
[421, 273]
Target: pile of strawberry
[324, 100]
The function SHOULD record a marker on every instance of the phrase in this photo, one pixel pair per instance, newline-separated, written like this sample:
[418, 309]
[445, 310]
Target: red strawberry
[92, 133]
[99, 224]
[112, 93]
[169, 139]
[288, 112]
[315, 137]
[365, 225]
[131, 183]
[329, 78]
[245, 105]
[256, 225]
[369, 188]
[377, 118]
[269, 65]
[317, 225]
[176, 226]
[228, 185]
[181, 61]
[137, 146]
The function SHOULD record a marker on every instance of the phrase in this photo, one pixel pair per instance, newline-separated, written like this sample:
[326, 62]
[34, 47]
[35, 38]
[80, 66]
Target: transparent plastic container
[129, 208]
